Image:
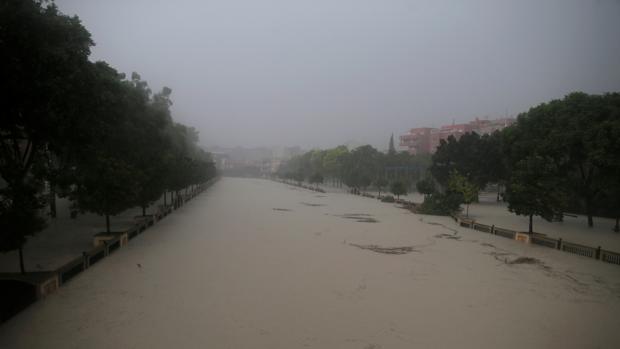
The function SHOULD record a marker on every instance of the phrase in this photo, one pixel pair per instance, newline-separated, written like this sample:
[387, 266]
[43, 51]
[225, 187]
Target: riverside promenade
[252, 263]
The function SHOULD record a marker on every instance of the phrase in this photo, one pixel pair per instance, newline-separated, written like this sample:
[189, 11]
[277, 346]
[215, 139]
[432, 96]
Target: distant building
[425, 140]
[253, 161]
[420, 140]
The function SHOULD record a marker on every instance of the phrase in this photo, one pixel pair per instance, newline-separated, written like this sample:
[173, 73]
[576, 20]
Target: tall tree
[398, 188]
[391, 148]
[426, 187]
[380, 183]
[534, 189]
[43, 57]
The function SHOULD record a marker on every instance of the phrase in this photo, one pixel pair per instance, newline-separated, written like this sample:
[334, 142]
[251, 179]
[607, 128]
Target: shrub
[387, 198]
[441, 204]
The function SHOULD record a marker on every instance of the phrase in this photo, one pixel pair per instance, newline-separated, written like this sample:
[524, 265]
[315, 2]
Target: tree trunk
[589, 212]
[107, 223]
[52, 199]
[165, 204]
[498, 190]
[22, 269]
[467, 211]
[143, 211]
[617, 227]
[531, 231]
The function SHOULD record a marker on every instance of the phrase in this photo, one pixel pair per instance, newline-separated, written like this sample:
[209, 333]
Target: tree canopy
[78, 126]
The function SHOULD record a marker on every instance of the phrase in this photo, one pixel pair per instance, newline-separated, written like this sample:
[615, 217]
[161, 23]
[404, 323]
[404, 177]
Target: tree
[460, 184]
[398, 188]
[316, 178]
[426, 187]
[108, 177]
[463, 155]
[107, 186]
[150, 143]
[380, 183]
[333, 162]
[534, 189]
[43, 56]
[19, 217]
[360, 166]
[576, 133]
[391, 148]
[299, 177]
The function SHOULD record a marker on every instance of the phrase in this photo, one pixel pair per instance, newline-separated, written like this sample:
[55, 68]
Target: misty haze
[309, 174]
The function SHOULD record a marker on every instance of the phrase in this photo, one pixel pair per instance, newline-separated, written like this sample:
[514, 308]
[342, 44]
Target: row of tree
[79, 129]
[358, 168]
[560, 156]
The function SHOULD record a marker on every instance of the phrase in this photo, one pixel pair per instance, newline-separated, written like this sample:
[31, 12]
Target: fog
[322, 73]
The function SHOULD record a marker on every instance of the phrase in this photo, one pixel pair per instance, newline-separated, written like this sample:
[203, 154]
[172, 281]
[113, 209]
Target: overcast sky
[324, 72]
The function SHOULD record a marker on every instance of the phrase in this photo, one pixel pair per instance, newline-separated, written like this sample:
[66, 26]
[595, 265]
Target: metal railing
[545, 241]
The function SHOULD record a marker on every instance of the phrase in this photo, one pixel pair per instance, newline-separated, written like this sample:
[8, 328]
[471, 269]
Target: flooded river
[258, 264]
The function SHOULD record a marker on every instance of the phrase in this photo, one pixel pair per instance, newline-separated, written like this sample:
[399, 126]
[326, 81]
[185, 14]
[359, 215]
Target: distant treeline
[79, 129]
[358, 168]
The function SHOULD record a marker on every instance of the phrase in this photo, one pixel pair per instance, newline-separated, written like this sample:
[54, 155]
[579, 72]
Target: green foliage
[398, 188]
[579, 134]
[535, 189]
[391, 148]
[299, 177]
[477, 158]
[360, 166]
[19, 216]
[79, 126]
[576, 136]
[316, 178]
[441, 204]
[355, 168]
[106, 186]
[380, 183]
[44, 55]
[467, 190]
[426, 186]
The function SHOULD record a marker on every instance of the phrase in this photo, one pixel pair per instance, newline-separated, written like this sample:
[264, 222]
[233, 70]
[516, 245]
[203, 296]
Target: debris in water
[359, 217]
[310, 204]
[448, 236]
[281, 209]
[386, 250]
[525, 260]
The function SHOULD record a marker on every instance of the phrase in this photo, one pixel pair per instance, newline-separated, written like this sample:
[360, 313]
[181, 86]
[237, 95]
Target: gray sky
[324, 72]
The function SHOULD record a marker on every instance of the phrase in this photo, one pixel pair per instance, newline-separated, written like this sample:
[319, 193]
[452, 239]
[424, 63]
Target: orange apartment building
[425, 140]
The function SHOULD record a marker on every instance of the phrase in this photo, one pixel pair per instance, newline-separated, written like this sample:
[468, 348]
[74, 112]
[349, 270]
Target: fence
[483, 228]
[542, 240]
[510, 234]
[545, 241]
[578, 249]
[610, 257]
